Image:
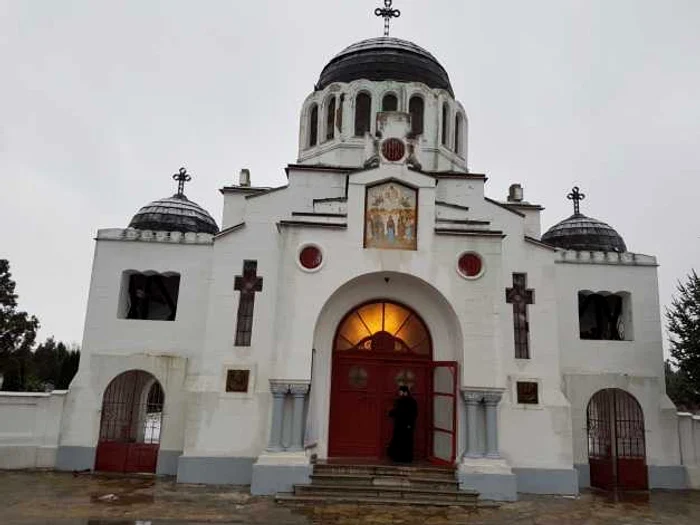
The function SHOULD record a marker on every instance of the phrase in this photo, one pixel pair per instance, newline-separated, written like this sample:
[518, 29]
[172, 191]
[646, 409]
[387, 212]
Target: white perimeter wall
[29, 428]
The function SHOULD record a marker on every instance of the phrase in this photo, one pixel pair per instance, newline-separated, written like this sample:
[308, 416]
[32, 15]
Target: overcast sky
[101, 102]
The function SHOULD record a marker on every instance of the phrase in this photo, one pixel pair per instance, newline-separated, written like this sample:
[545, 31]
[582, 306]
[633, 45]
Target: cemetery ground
[37, 497]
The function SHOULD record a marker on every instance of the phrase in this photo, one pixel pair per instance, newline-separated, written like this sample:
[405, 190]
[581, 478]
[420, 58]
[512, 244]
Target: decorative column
[279, 391]
[472, 399]
[298, 391]
[491, 400]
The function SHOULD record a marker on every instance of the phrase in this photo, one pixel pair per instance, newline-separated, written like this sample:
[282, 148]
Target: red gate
[132, 411]
[616, 449]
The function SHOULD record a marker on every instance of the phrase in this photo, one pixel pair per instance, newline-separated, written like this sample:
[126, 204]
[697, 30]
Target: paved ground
[63, 499]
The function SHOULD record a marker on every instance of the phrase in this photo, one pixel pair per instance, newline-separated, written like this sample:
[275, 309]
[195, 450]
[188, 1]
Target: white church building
[248, 353]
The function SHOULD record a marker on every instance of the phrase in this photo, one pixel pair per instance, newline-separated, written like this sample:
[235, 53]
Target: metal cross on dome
[181, 177]
[577, 197]
[387, 13]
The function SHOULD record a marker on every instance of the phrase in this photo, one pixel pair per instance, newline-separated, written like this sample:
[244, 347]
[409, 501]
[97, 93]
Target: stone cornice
[131, 235]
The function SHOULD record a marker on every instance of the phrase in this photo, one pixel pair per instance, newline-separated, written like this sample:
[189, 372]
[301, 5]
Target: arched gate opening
[616, 448]
[130, 426]
[378, 347]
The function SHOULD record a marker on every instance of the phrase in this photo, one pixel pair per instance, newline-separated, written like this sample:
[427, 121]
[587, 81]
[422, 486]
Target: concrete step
[351, 498]
[394, 492]
[387, 470]
[367, 480]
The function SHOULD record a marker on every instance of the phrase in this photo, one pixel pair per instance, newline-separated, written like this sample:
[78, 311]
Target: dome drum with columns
[280, 340]
[384, 74]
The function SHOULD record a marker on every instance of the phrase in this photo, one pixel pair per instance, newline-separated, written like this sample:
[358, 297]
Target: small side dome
[175, 214]
[579, 232]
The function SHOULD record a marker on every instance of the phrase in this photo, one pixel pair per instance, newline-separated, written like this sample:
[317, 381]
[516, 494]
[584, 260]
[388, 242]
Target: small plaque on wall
[237, 380]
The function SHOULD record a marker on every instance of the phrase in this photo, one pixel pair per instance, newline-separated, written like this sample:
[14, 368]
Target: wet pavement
[39, 498]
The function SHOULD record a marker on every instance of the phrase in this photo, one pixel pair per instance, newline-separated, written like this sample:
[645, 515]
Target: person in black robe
[404, 415]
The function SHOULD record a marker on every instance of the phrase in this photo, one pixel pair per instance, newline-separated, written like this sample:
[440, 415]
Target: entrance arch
[616, 448]
[378, 346]
[130, 425]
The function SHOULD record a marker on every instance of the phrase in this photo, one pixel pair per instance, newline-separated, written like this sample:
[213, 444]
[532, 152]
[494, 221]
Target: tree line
[24, 365]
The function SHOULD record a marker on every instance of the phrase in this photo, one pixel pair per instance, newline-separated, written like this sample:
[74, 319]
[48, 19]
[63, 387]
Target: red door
[443, 405]
[378, 347]
[355, 423]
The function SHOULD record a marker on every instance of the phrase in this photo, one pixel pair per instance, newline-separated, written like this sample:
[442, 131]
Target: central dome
[385, 58]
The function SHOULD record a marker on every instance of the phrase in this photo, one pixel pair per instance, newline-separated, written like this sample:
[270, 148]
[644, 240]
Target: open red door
[443, 404]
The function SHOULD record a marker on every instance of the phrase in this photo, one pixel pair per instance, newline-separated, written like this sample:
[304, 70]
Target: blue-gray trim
[167, 462]
[215, 470]
[497, 487]
[75, 458]
[668, 477]
[546, 481]
[271, 479]
[584, 475]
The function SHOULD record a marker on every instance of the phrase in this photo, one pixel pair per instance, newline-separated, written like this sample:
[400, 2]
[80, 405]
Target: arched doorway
[379, 346]
[616, 449]
[130, 426]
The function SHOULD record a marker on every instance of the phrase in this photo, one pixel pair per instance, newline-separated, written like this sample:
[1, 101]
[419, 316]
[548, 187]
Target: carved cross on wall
[520, 296]
[247, 284]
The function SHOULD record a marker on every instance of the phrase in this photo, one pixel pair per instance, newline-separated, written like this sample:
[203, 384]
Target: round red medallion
[310, 257]
[469, 265]
[393, 149]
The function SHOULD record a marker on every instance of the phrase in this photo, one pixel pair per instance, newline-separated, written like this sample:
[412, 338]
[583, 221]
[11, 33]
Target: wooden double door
[363, 392]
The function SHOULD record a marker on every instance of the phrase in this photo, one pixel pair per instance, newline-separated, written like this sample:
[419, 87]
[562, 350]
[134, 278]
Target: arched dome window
[390, 102]
[445, 112]
[313, 125]
[416, 108]
[363, 112]
[330, 119]
[459, 124]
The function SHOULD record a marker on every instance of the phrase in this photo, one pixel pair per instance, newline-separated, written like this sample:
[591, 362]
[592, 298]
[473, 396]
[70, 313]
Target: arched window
[363, 111]
[313, 126]
[415, 108]
[330, 119]
[444, 124]
[390, 103]
[458, 133]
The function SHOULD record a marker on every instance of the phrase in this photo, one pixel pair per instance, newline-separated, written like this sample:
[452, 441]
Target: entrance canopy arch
[424, 300]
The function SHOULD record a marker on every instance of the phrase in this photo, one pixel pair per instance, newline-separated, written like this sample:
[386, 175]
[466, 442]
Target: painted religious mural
[391, 217]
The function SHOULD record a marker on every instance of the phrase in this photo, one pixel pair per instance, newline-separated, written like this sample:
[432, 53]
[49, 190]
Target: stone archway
[130, 425]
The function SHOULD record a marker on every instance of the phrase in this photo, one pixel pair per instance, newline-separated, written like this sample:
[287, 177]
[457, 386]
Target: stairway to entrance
[407, 485]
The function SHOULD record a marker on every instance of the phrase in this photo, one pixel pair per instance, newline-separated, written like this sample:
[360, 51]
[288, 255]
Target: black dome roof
[385, 58]
[579, 232]
[175, 214]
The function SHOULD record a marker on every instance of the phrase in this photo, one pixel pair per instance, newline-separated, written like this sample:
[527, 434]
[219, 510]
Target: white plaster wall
[635, 366]
[106, 333]
[642, 356]
[112, 345]
[298, 311]
[689, 434]
[29, 428]
[83, 408]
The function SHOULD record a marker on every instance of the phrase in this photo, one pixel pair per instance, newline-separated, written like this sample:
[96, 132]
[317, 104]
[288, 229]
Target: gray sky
[100, 102]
